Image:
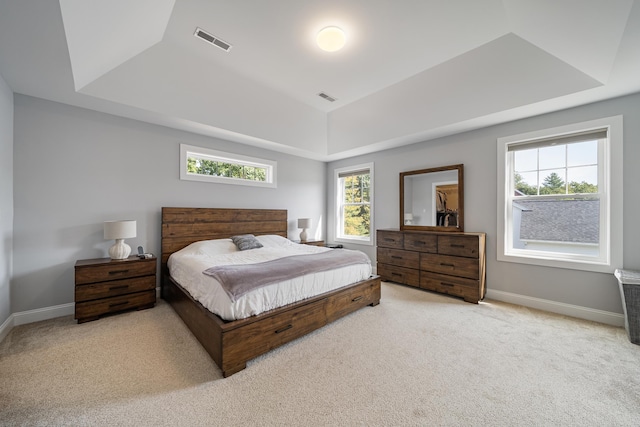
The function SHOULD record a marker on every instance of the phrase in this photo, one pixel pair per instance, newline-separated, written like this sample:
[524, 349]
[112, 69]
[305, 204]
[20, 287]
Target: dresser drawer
[398, 257]
[421, 242]
[465, 246]
[392, 273]
[114, 288]
[92, 309]
[390, 239]
[457, 286]
[343, 304]
[253, 339]
[451, 265]
[115, 270]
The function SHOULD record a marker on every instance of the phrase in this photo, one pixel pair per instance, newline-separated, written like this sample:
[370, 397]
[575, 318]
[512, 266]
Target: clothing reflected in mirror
[446, 205]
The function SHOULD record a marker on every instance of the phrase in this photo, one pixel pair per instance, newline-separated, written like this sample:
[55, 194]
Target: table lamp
[304, 223]
[119, 230]
[408, 219]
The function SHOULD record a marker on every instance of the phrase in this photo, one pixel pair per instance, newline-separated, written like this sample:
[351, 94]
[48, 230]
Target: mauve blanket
[237, 280]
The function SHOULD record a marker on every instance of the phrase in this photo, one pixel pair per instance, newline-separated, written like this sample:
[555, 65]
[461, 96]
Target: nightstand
[105, 286]
[311, 242]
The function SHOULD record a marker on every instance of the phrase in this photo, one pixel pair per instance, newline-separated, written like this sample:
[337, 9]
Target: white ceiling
[411, 70]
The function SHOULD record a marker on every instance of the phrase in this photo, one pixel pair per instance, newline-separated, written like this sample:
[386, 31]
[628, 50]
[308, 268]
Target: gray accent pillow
[246, 241]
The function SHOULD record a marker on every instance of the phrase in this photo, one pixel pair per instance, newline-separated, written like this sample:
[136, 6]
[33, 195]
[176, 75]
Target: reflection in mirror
[432, 199]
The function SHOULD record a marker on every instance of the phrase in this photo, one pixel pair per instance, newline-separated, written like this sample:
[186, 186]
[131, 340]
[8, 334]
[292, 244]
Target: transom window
[202, 164]
[354, 193]
[557, 199]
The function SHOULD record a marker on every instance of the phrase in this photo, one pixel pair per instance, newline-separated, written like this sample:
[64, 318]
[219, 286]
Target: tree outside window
[354, 216]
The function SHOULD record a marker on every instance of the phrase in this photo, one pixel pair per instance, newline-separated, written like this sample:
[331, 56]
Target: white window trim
[338, 214]
[613, 215]
[270, 165]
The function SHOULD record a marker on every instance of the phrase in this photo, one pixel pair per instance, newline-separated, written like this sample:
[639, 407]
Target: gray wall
[477, 150]
[75, 168]
[6, 197]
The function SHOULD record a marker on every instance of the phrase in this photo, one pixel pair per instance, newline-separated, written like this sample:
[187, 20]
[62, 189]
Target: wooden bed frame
[232, 343]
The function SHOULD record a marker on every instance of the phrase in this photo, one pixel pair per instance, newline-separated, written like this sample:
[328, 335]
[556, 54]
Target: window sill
[367, 242]
[555, 263]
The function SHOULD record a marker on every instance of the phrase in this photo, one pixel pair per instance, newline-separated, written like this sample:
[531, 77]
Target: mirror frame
[460, 226]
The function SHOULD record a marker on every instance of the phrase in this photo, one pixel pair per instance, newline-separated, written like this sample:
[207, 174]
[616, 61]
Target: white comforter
[186, 267]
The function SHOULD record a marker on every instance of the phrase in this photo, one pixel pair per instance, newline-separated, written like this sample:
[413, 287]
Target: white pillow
[273, 240]
[210, 247]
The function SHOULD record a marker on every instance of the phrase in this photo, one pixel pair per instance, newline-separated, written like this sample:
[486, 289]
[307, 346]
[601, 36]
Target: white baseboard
[30, 316]
[39, 314]
[607, 317]
[6, 327]
[46, 313]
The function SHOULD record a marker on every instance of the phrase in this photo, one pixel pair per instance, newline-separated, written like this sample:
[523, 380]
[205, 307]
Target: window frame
[339, 237]
[611, 216]
[187, 151]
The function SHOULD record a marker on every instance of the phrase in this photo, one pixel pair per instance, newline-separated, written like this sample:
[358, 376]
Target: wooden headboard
[183, 226]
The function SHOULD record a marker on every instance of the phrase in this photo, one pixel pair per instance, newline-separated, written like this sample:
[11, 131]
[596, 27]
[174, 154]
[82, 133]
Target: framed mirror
[432, 199]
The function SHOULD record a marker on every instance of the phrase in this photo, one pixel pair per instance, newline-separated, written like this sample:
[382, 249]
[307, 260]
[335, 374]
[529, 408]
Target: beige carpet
[416, 359]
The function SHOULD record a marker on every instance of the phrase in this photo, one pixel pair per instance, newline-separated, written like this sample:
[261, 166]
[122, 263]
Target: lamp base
[303, 235]
[120, 250]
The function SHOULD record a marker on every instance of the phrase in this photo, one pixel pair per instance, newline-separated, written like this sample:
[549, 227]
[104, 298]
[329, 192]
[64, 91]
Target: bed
[231, 343]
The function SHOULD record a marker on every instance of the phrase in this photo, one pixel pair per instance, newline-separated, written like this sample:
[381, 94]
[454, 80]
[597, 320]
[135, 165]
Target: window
[560, 198]
[202, 164]
[354, 216]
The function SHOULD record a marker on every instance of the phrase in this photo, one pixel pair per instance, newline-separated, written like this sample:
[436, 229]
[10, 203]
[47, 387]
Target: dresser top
[443, 233]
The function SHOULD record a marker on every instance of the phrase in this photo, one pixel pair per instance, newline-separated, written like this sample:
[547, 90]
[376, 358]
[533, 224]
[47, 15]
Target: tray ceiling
[410, 71]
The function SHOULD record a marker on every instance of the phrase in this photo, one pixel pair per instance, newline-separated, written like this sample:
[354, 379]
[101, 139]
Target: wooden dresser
[450, 263]
[105, 286]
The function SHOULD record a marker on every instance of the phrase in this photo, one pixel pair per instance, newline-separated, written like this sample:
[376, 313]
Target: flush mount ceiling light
[331, 39]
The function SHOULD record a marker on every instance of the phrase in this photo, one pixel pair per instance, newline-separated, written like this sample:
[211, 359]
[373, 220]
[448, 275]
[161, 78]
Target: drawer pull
[447, 284]
[396, 274]
[114, 272]
[420, 242]
[118, 304]
[453, 245]
[116, 288]
[357, 299]
[389, 240]
[289, 326]
[396, 257]
[446, 265]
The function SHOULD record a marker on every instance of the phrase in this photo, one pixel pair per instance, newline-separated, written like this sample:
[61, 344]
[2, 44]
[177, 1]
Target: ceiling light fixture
[331, 39]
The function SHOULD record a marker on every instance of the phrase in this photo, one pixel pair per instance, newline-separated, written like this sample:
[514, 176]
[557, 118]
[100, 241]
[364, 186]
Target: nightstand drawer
[92, 309]
[114, 270]
[114, 288]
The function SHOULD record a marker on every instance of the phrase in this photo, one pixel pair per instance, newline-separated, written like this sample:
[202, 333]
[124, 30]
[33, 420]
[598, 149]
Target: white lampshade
[304, 223]
[119, 230]
[408, 218]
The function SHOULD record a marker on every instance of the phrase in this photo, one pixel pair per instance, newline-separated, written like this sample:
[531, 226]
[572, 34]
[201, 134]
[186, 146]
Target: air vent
[200, 33]
[327, 97]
